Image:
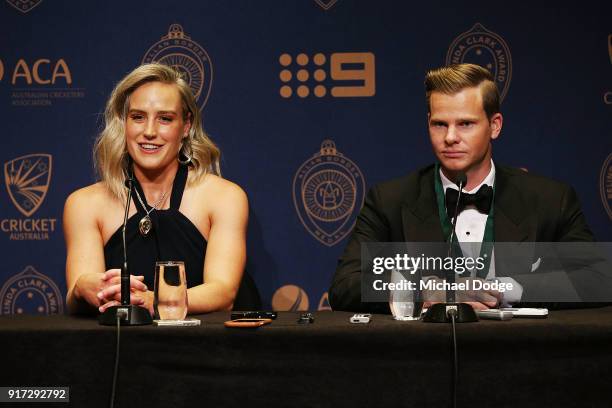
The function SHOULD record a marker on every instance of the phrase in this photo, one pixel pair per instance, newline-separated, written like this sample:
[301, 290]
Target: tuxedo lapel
[420, 218]
[514, 222]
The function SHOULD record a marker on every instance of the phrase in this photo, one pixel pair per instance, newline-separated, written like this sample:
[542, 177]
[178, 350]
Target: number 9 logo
[365, 72]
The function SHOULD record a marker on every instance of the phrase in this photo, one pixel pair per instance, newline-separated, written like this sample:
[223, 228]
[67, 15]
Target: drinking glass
[170, 296]
[402, 302]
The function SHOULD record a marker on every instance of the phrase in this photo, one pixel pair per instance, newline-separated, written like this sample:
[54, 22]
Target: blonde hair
[454, 78]
[111, 157]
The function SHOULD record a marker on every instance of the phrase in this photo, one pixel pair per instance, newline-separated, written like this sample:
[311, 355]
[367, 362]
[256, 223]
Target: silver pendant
[145, 225]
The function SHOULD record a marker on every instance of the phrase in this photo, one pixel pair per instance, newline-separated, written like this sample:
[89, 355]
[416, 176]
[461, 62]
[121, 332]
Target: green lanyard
[486, 247]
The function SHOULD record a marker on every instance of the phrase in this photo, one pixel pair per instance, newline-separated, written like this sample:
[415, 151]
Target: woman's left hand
[110, 295]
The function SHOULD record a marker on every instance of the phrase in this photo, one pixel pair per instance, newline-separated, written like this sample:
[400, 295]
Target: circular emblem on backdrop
[24, 5]
[30, 292]
[485, 48]
[326, 4]
[290, 298]
[605, 185]
[27, 181]
[1, 70]
[186, 56]
[328, 191]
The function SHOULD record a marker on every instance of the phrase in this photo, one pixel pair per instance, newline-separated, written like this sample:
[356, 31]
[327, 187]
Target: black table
[562, 361]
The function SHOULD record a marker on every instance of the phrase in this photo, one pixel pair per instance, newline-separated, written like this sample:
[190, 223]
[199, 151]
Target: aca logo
[290, 298]
[344, 74]
[24, 5]
[30, 292]
[605, 185]
[328, 192]
[27, 180]
[326, 4]
[43, 71]
[41, 81]
[186, 56]
[485, 48]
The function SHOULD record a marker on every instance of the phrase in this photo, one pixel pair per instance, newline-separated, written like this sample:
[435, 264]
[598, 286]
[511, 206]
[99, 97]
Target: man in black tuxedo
[463, 118]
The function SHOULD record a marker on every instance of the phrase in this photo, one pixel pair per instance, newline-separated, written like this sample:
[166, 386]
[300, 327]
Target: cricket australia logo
[30, 292]
[328, 192]
[24, 5]
[485, 48]
[27, 181]
[186, 56]
[605, 183]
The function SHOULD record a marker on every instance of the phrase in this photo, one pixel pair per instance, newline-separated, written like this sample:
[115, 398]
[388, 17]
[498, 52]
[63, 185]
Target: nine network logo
[341, 75]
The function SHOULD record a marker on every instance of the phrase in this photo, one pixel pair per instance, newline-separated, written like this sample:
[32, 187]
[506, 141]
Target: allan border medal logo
[186, 56]
[328, 189]
[605, 182]
[30, 292]
[326, 4]
[485, 48]
[27, 181]
[24, 5]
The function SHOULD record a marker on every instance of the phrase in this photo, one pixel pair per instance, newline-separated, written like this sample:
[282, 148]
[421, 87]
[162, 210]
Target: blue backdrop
[311, 101]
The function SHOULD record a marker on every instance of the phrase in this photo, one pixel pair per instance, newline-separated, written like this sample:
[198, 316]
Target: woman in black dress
[181, 208]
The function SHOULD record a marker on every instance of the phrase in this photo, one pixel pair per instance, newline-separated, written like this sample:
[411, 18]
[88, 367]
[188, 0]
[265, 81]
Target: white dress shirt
[470, 231]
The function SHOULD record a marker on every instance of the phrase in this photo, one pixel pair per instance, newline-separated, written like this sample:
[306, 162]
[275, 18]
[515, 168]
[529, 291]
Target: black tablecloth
[562, 361]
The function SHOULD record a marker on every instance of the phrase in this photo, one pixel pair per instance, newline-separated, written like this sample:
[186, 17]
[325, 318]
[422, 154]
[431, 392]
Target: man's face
[461, 133]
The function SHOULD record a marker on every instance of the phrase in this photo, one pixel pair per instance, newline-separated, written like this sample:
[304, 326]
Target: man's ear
[496, 123]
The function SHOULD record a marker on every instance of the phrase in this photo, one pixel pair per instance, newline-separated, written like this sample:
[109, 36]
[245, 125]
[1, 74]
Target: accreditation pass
[34, 394]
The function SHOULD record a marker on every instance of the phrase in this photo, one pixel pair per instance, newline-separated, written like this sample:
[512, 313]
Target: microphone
[460, 181]
[460, 312]
[125, 276]
[129, 315]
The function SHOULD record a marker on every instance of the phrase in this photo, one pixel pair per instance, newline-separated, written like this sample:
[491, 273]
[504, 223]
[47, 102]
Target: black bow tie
[481, 199]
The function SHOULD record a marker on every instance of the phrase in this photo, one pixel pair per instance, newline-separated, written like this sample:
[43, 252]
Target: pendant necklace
[145, 225]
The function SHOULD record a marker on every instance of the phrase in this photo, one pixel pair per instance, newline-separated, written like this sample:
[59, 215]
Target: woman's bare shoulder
[220, 193]
[90, 199]
[222, 188]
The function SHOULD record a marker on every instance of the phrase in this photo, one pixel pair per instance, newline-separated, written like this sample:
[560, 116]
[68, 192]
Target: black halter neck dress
[172, 238]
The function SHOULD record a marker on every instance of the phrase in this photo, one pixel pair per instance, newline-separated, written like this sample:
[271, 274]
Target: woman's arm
[226, 250]
[89, 286]
[84, 253]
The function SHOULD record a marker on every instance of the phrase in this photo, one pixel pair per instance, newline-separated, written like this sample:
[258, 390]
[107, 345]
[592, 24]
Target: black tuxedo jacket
[527, 208]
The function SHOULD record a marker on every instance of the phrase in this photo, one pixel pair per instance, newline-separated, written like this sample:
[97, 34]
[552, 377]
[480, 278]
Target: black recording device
[305, 318]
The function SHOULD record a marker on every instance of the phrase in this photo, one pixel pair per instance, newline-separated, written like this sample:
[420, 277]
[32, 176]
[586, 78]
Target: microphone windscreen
[461, 179]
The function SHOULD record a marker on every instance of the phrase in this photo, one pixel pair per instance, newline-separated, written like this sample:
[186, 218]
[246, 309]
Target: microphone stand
[461, 312]
[127, 314]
